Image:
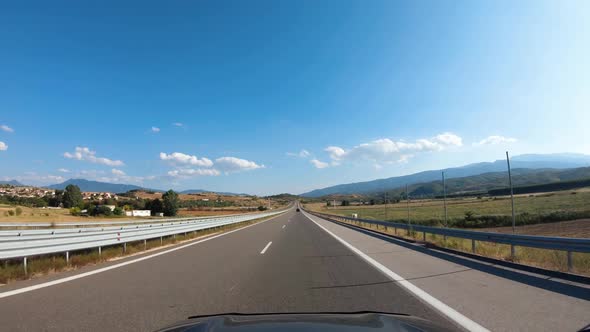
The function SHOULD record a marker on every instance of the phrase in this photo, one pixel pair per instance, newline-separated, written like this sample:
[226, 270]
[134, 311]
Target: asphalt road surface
[285, 264]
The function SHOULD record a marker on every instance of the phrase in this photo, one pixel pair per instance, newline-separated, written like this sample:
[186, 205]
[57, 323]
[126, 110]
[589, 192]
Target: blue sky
[225, 95]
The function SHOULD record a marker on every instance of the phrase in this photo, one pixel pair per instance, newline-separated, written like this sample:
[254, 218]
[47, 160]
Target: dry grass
[547, 259]
[432, 209]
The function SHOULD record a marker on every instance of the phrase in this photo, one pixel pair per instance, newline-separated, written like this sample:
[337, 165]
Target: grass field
[432, 209]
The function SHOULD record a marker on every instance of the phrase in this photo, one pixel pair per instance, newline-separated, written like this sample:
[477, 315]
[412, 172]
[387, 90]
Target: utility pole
[445, 198]
[511, 194]
[385, 204]
[408, 205]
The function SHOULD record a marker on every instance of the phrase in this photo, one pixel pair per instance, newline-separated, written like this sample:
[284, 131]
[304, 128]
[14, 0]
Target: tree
[118, 211]
[170, 203]
[372, 202]
[100, 211]
[72, 196]
[156, 206]
[345, 203]
[56, 199]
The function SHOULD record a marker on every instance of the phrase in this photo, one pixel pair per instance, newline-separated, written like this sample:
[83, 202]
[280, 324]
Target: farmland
[431, 211]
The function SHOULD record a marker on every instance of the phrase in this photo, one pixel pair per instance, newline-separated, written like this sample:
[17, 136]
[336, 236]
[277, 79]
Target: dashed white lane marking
[451, 313]
[265, 248]
[284, 226]
[104, 269]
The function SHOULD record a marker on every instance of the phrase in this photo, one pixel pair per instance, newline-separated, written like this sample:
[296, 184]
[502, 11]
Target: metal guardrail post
[570, 262]
[125, 247]
[144, 244]
[99, 251]
[473, 247]
[67, 258]
[512, 252]
[423, 236]
[25, 264]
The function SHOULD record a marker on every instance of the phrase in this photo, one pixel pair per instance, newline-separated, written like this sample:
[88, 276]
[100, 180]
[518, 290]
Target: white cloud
[495, 139]
[6, 129]
[387, 150]
[233, 164]
[319, 164]
[85, 154]
[3, 146]
[185, 159]
[188, 172]
[63, 170]
[336, 153]
[301, 154]
[404, 158]
[117, 172]
[155, 130]
[178, 124]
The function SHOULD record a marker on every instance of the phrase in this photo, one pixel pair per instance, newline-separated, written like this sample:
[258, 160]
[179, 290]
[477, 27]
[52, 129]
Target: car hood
[292, 322]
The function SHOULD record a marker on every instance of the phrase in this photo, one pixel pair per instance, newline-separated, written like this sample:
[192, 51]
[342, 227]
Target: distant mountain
[13, 183]
[482, 183]
[200, 191]
[529, 161]
[96, 186]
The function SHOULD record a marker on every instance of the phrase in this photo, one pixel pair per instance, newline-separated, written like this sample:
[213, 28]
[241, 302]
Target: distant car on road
[297, 209]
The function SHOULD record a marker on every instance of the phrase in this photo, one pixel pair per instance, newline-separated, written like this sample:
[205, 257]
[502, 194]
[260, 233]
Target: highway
[289, 263]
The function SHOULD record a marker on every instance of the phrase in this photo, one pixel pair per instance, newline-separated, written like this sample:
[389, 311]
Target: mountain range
[526, 161]
[97, 186]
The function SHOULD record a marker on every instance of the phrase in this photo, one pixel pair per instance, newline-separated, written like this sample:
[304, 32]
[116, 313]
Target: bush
[100, 211]
[19, 211]
[11, 213]
[261, 208]
[118, 211]
[75, 211]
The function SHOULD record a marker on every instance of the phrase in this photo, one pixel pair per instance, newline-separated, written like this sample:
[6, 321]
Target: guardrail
[568, 245]
[25, 243]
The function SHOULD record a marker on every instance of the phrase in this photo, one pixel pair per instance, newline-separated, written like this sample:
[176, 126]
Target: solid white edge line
[104, 269]
[264, 250]
[449, 312]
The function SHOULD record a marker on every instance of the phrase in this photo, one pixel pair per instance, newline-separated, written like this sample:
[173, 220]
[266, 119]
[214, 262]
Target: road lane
[303, 270]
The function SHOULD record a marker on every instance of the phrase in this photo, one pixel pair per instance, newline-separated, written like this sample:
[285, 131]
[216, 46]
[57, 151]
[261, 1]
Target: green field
[559, 206]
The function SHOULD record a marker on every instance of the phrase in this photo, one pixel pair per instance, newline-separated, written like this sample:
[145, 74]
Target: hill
[495, 183]
[13, 183]
[528, 161]
[96, 186]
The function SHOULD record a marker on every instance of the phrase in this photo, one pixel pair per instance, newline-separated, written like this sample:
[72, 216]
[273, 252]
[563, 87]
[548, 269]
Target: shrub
[75, 211]
[118, 211]
[11, 213]
[261, 208]
[19, 211]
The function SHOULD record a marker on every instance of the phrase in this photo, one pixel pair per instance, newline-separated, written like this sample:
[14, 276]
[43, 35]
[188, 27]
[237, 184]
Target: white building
[138, 213]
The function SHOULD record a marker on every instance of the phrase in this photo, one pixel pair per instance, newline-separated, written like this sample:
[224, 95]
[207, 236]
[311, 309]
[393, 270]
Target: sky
[265, 97]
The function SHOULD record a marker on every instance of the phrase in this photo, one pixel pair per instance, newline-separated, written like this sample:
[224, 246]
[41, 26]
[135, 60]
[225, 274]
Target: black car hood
[291, 322]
